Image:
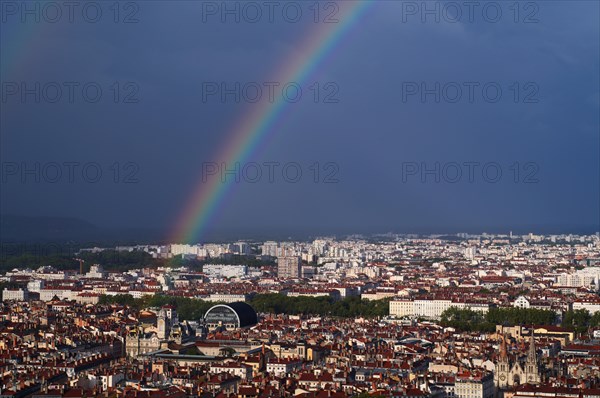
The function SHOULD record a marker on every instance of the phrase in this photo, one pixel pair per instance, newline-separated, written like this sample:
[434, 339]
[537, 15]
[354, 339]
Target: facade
[183, 249]
[244, 372]
[96, 271]
[588, 278]
[35, 285]
[333, 293]
[377, 295]
[591, 305]
[474, 386]
[224, 270]
[289, 267]
[511, 374]
[225, 298]
[522, 302]
[431, 308]
[139, 341]
[48, 294]
[270, 248]
[15, 294]
[111, 380]
[144, 338]
[282, 367]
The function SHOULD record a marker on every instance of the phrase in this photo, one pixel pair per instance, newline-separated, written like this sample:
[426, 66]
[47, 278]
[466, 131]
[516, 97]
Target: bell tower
[532, 372]
[161, 325]
[502, 366]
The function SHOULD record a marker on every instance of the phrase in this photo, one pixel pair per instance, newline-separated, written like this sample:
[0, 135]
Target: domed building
[230, 316]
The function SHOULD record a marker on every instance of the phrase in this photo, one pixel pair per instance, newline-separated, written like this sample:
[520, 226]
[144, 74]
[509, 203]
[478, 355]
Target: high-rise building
[470, 252]
[240, 248]
[289, 267]
[319, 246]
[270, 248]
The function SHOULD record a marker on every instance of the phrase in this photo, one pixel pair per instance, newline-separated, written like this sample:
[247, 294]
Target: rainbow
[253, 127]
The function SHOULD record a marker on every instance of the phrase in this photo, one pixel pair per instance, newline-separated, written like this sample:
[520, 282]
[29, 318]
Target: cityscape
[456, 316]
[300, 199]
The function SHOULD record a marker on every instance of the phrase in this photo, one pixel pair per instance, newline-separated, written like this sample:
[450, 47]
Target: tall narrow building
[502, 366]
[289, 267]
[532, 371]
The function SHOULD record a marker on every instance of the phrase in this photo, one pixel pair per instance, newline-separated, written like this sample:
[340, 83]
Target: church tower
[532, 373]
[162, 325]
[502, 367]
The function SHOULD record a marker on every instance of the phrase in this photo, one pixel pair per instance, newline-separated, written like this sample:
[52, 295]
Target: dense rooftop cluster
[156, 331]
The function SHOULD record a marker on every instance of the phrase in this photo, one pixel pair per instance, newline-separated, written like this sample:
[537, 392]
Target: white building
[47, 294]
[270, 248]
[87, 298]
[242, 371]
[139, 293]
[215, 271]
[319, 246]
[96, 272]
[281, 367]
[588, 278]
[431, 308]
[15, 294]
[470, 253]
[178, 249]
[334, 293]
[591, 305]
[522, 302]
[35, 285]
[215, 250]
[225, 297]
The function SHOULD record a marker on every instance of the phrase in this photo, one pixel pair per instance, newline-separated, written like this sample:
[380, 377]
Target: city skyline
[300, 199]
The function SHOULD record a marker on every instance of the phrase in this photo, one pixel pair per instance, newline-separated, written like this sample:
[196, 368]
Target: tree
[578, 320]
[469, 320]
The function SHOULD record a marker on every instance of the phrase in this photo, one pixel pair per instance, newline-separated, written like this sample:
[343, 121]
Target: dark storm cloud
[372, 134]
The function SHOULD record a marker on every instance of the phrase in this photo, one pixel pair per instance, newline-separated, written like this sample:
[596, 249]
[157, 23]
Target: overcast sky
[372, 143]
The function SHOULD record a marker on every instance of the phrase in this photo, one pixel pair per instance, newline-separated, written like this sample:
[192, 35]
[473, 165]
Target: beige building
[289, 267]
[519, 333]
[284, 351]
[468, 385]
[145, 338]
[377, 295]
